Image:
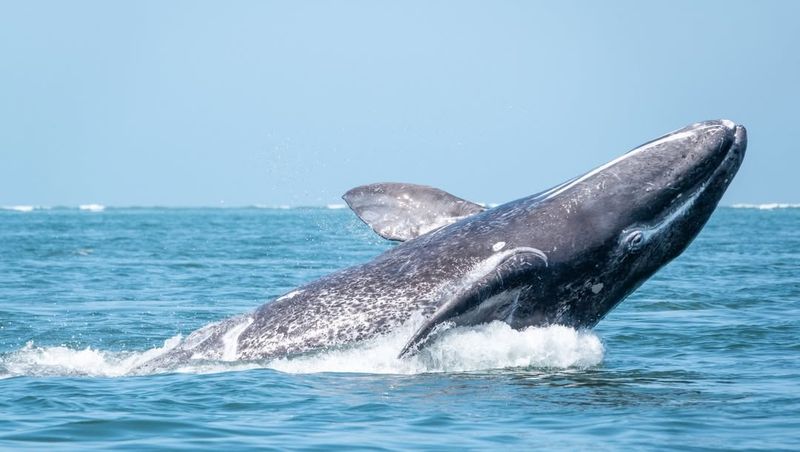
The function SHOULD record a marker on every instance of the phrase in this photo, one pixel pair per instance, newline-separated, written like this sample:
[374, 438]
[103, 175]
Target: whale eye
[634, 241]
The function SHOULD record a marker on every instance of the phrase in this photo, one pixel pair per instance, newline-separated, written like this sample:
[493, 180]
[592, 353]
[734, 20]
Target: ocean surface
[705, 355]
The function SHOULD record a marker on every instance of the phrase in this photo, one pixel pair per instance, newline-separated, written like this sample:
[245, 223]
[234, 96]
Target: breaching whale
[565, 256]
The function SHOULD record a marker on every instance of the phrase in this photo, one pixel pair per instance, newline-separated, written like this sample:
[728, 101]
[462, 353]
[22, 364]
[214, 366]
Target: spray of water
[483, 347]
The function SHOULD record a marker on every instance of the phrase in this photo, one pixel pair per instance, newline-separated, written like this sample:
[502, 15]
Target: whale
[564, 256]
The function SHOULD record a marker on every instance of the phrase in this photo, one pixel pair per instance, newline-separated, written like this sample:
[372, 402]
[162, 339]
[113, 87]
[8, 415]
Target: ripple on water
[702, 356]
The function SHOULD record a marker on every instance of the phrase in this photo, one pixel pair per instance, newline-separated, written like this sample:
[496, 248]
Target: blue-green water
[703, 356]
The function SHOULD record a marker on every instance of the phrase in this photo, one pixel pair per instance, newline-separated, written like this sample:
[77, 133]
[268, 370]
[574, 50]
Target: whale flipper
[402, 212]
[486, 295]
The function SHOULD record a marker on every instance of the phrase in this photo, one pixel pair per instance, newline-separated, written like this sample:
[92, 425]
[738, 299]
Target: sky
[196, 103]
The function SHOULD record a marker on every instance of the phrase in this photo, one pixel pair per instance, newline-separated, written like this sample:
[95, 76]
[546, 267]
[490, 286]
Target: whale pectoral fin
[404, 211]
[467, 305]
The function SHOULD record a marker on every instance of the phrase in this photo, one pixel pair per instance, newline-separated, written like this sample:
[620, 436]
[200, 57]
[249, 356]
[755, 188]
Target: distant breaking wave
[101, 207]
[29, 208]
[276, 207]
[92, 207]
[767, 206]
[21, 208]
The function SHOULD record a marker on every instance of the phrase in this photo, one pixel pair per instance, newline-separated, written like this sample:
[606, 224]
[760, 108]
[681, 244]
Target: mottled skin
[565, 256]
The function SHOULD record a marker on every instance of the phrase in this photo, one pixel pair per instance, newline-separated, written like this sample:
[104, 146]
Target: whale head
[565, 256]
[617, 225]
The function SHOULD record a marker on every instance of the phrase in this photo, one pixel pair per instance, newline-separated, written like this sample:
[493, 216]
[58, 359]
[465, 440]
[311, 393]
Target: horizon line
[95, 207]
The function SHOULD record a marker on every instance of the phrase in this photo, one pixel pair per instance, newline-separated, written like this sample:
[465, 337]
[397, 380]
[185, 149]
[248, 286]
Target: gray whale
[564, 256]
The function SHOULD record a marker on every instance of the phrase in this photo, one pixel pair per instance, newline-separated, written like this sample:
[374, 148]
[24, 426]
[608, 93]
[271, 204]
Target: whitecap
[92, 207]
[272, 207]
[24, 208]
[768, 206]
[20, 208]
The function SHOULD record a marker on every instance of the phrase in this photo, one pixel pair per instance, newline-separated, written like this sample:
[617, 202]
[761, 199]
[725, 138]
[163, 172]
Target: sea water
[705, 355]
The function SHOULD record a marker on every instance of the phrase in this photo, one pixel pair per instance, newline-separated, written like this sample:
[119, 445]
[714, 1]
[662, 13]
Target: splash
[63, 361]
[483, 347]
[490, 346]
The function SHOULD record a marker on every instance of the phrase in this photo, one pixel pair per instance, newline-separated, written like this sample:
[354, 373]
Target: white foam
[767, 206]
[336, 206]
[45, 361]
[483, 347]
[272, 207]
[92, 207]
[20, 208]
[490, 346]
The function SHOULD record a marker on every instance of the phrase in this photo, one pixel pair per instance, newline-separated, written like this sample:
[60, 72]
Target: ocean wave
[336, 206]
[23, 208]
[484, 347]
[768, 206]
[92, 207]
[271, 207]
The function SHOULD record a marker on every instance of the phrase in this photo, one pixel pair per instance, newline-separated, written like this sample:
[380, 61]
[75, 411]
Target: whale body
[565, 256]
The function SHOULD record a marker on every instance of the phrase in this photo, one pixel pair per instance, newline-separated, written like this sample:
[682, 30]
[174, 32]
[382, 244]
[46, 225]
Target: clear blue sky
[253, 102]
